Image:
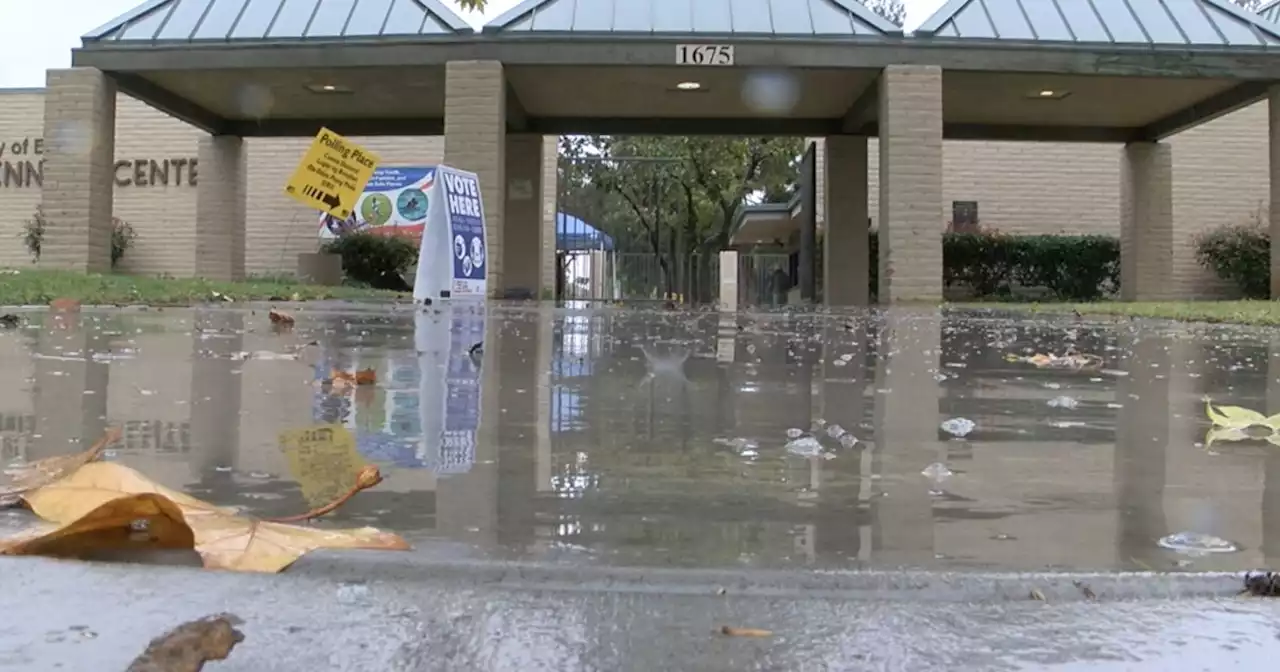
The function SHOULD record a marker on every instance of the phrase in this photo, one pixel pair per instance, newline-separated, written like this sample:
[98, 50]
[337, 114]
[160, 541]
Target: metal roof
[1271, 11]
[776, 18]
[237, 20]
[1199, 23]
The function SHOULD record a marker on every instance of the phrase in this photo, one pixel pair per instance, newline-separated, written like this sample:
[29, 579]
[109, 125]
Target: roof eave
[123, 20]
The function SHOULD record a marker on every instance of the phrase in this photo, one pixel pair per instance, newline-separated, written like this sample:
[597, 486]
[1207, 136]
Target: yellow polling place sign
[332, 174]
[323, 460]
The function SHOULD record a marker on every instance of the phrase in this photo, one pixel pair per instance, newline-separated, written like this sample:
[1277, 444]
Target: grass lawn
[34, 287]
[1234, 312]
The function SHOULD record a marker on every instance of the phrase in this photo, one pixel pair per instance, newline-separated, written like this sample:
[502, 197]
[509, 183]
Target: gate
[623, 242]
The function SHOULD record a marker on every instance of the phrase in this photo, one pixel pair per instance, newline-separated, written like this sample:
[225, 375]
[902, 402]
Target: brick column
[1273, 140]
[911, 214]
[79, 160]
[846, 251]
[1141, 452]
[220, 208]
[215, 390]
[522, 267]
[70, 400]
[475, 129]
[1146, 222]
[550, 206]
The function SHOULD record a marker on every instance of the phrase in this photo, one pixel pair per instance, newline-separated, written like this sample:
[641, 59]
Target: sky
[36, 35]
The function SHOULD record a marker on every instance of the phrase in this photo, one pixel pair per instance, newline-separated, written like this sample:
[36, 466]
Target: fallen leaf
[1235, 417]
[1036, 595]
[281, 318]
[361, 377]
[102, 502]
[32, 475]
[1085, 590]
[744, 632]
[1262, 584]
[64, 305]
[189, 646]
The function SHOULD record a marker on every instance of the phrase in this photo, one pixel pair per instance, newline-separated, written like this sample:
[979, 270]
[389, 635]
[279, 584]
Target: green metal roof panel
[250, 20]
[1163, 23]
[774, 18]
[1271, 11]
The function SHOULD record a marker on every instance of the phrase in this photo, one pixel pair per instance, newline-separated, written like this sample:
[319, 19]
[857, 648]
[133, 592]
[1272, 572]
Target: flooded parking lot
[666, 438]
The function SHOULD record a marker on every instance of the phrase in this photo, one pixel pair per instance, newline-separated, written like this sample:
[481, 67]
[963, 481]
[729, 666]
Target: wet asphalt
[600, 488]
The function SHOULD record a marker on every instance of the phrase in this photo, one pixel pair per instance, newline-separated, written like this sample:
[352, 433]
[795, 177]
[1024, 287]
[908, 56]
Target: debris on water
[1063, 402]
[937, 472]
[280, 318]
[743, 447]
[1070, 361]
[848, 440]
[1036, 595]
[805, 446]
[1196, 543]
[730, 631]
[958, 427]
[1003, 537]
[835, 431]
[795, 433]
[10, 321]
[1085, 590]
[1262, 584]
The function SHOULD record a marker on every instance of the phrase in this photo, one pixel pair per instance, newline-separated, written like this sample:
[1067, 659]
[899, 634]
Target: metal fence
[764, 279]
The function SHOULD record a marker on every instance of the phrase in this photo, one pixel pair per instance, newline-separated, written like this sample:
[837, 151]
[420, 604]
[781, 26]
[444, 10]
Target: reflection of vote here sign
[332, 174]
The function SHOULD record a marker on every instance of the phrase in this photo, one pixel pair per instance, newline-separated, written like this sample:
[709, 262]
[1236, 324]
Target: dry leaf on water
[361, 377]
[731, 631]
[189, 646]
[1235, 417]
[104, 504]
[280, 318]
[32, 475]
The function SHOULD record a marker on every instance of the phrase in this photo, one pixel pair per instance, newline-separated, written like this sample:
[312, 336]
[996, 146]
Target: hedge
[1071, 268]
[1239, 254]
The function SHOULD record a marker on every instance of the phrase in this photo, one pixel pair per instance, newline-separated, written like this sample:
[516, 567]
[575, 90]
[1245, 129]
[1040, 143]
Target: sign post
[332, 174]
[453, 257]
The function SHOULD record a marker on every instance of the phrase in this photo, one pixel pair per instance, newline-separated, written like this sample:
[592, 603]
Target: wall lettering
[21, 166]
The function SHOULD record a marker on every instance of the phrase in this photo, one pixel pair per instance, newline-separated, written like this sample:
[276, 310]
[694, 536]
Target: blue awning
[574, 234]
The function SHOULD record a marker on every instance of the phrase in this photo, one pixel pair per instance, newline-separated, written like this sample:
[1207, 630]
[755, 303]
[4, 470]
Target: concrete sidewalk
[327, 614]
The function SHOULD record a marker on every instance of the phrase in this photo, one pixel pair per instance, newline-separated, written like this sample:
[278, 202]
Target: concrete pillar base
[846, 255]
[911, 212]
[79, 175]
[475, 131]
[220, 209]
[1146, 227]
[729, 280]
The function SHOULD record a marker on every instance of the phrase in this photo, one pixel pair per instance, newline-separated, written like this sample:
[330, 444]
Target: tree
[472, 5]
[893, 10]
[673, 198]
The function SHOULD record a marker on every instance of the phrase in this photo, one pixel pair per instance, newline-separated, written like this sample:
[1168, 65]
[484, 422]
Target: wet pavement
[642, 438]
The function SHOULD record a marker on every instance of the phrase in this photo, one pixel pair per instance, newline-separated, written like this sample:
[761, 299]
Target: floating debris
[1070, 361]
[1064, 402]
[744, 632]
[1196, 543]
[1262, 584]
[958, 427]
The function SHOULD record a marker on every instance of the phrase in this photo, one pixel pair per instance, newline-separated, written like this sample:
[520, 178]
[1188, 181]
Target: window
[964, 216]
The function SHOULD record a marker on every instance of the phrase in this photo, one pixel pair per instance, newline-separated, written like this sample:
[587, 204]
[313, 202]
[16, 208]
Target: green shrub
[376, 261]
[1072, 268]
[1240, 254]
[122, 237]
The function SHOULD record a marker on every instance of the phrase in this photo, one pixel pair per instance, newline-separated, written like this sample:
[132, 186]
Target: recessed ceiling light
[328, 88]
[689, 86]
[1050, 94]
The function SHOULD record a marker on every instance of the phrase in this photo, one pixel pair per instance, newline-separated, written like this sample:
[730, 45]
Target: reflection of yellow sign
[332, 174]
[323, 459]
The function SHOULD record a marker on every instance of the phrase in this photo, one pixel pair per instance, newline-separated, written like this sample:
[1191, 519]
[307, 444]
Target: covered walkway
[1130, 73]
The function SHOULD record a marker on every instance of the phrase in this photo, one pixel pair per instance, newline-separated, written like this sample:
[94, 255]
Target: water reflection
[657, 438]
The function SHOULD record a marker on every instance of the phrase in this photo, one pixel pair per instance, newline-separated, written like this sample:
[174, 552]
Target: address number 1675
[704, 54]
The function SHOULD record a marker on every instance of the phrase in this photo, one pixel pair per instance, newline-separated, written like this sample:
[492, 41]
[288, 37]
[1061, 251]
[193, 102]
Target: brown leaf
[32, 475]
[64, 305]
[102, 503]
[361, 377]
[281, 318]
[744, 632]
[189, 646]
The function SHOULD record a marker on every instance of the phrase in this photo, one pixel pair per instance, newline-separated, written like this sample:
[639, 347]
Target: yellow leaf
[323, 460]
[30, 476]
[1233, 416]
[100, 502]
